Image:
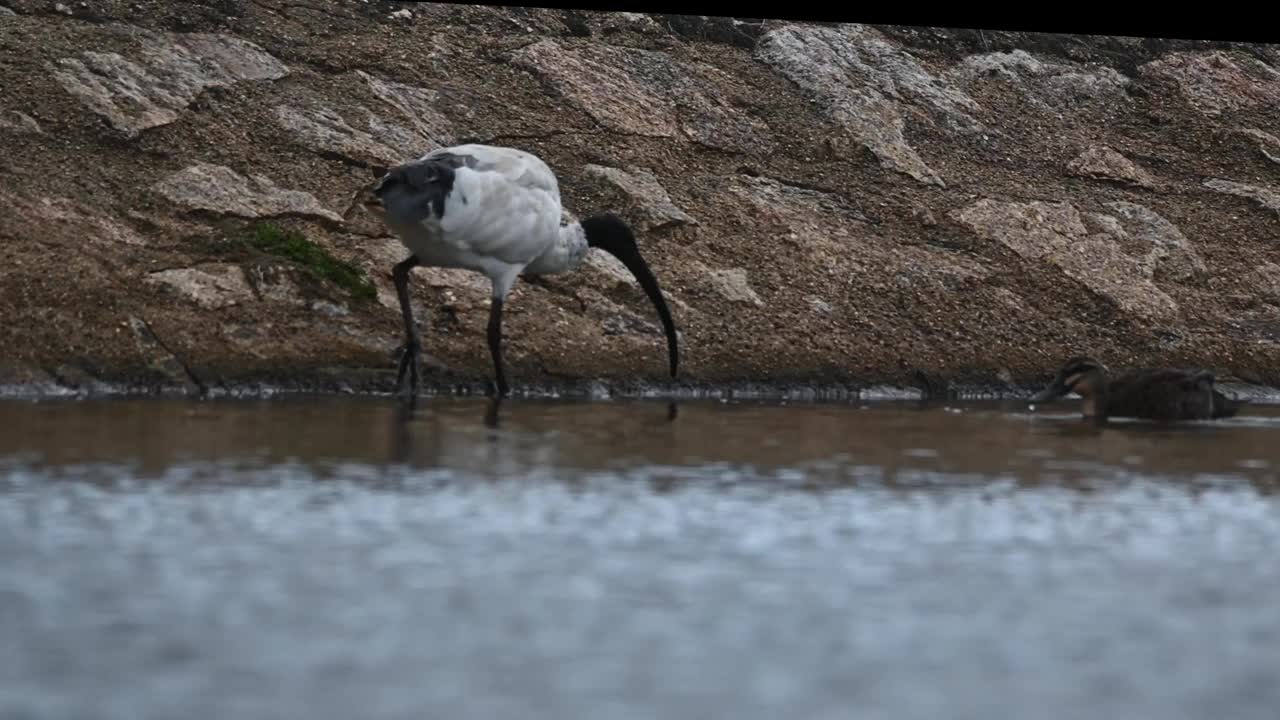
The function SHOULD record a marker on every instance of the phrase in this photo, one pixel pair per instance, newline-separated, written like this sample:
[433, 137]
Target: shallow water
[330, 558]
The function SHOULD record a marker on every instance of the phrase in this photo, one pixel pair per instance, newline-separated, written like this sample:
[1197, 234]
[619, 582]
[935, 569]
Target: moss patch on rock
[294, 246]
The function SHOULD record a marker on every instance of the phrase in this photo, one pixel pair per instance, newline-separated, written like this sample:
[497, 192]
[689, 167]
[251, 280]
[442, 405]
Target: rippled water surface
[332, 558]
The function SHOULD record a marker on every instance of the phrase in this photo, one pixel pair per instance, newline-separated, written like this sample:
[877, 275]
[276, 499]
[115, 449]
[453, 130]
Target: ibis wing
[493, 204]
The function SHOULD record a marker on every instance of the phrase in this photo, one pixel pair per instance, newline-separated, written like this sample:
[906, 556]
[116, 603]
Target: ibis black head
[611, 234]
[411, 191]
[1078, 374]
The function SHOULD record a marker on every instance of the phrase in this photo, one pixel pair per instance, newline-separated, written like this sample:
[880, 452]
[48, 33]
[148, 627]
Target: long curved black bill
[630, 256]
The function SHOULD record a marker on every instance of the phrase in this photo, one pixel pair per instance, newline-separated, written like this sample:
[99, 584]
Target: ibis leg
[495, 345]
[491, 412]
[411, 355]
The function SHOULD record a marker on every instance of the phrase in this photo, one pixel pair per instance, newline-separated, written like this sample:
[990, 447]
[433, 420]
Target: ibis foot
[410, 367]
[498, 389]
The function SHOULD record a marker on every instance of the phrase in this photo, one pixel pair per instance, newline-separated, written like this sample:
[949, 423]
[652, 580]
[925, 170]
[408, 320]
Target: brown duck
[1157, 394]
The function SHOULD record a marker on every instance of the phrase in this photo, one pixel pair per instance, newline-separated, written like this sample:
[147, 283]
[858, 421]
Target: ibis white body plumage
[496, 211]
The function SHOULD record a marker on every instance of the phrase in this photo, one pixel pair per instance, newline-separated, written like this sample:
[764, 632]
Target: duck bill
[631, 257]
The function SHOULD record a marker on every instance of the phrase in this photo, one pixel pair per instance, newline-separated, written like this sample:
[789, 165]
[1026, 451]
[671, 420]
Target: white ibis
[496, 211]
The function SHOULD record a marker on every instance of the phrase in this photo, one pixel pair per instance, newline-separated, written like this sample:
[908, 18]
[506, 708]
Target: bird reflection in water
[406, 412]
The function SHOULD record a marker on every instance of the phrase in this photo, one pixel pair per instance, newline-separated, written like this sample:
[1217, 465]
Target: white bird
[496, 211]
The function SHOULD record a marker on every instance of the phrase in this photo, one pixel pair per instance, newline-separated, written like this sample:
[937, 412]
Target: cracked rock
[78, 220]
[18, 380]
[412, 127]
[1265, 281]
[820, 306]
[20, 123]
[219, 189]
[325, 130]
[775, 197]
[868, 86]
[328, 309]
[1050, 85]
[1268, 144]
[456, 279]
[608, 266]
[157, 357]
[622, 321]
[652, 202]
[831, 234]
[1265, 198]
[732, 285]
[1169, 254]
[415, 105]
[639, 22]
[403, 123]
[1217, 81]
[211, 286]
[275, 283]
[1056, 234]
[154, 88]
[623, 101]
[1104, 163]
[645, 92]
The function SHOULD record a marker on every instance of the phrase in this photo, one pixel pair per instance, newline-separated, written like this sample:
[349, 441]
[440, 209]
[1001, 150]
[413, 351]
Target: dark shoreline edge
[374, 384]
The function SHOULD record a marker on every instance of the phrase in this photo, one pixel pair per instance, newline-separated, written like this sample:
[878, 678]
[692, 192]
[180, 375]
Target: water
[328, 558]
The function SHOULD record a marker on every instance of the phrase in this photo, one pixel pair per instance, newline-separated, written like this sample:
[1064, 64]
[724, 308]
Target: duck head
[1082, 375]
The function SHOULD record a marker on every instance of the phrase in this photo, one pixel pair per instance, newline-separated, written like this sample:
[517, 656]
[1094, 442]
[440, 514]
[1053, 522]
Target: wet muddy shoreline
[381, 384]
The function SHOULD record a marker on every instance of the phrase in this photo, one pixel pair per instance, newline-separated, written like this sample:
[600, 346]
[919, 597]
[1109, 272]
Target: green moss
[292, 245]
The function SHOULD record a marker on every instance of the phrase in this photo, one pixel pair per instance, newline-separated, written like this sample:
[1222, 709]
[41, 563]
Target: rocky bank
[826, 205]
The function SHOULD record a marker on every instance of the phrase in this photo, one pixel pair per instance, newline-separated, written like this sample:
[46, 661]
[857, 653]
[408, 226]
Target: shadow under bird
[496, 211]
[1155, 394]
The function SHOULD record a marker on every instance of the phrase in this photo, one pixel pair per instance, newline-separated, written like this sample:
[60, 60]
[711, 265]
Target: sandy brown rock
[218, 189]
[211, 286]
[416, 106]
[1056, 234]
[732, 285]
[644, 92]
[1265, 197]
[19, 122]
[17, 380]
[1265, 280]
[603, 83]
[155, 86]
[1048, 84]
[1216, 82]
[72, 217]
[1268, 144]
[324, 130]
[276, 283]
[1104, 163]
[1168, 252]
[868, 86]
[820, 306]
[157, 358]
[649, 199]
[895, 200]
